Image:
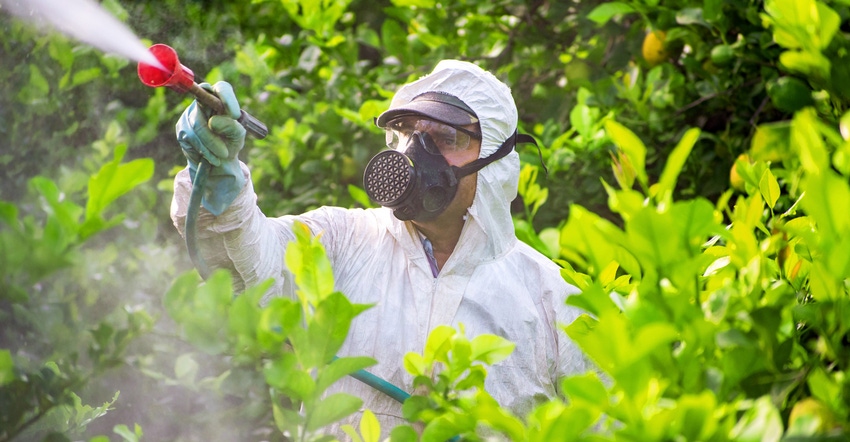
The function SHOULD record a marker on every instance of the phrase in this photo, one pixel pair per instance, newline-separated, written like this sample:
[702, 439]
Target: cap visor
[441, 112]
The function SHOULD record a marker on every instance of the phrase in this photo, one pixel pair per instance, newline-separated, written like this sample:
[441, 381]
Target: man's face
[466, 187]
[457, 145]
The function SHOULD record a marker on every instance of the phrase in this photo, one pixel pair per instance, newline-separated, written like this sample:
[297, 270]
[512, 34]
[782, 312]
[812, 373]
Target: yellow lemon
[654, 49]
[814, 409]
[735, 179]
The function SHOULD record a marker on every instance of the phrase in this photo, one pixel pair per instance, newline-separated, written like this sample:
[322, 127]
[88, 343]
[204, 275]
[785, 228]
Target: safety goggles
[447, 138]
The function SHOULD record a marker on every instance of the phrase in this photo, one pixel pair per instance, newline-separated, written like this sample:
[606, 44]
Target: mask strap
[525, 138]
[500, 153]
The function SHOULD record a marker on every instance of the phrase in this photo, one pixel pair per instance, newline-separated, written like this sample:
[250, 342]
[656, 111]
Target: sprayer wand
[175, 76]
[179, 78]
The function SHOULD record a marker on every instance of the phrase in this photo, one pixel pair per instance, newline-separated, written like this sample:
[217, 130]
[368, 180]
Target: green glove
[218, 139]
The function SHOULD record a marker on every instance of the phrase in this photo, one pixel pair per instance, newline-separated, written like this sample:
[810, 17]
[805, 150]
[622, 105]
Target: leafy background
[696, 192]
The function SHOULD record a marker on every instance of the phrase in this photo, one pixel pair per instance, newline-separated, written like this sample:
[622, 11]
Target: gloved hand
[218, 139]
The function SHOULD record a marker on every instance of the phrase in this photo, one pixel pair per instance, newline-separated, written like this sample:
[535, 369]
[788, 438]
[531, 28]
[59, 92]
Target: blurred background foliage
[87, 297]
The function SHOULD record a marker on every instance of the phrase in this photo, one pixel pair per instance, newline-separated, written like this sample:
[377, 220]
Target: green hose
[191, 232]
[380, 384]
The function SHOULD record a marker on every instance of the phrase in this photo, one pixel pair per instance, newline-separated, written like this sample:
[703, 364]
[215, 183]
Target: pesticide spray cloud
[83, 20]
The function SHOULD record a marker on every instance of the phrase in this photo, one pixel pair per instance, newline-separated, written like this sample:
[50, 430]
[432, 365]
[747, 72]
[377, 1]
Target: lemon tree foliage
[697, 193]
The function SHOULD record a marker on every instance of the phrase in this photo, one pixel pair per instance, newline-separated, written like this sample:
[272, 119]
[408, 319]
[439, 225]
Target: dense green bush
[697, 192]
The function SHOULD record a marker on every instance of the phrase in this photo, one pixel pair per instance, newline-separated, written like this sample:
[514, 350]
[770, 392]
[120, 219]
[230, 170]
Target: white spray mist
[83, 20]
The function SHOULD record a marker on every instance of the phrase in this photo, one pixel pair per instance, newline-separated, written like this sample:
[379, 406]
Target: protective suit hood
[492, 102]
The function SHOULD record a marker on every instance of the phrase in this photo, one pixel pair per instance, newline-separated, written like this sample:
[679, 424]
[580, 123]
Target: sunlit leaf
[491, 349]
[602, 13]
[769, 188]
[341, 367]
[585, 387]
[306, 259]
[438, 344]
[634, 148]
[332, 409]
[676, 161]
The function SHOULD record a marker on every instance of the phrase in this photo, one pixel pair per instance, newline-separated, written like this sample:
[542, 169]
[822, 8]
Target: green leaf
[489, 411]
[327, 330]
[37, 89]
[360, 196]
[202, 313]
[341, 367]
[698, 222]
[65, 212]
[829, 22]
[110, 182]
[824, 387]
[461, 350]
[691, 16]
[629, 143]
[85, 76]
[415, 364]
[474, 378]
[696, 415]
[278, 371]
[126, 434]
[582, 118]
[403, 433]
[807, 63]
[306, 259]
[586, 388]
[593, 299]
[444, 427]
[491, 349]
[653, 238]
[372, 108]
[286, 420]
[712, 10]
[769, 188]
[186, 368]
[332, 409]
[649, 338]
[7, 367]
[394, 37]
[284, 374]
[277, 321]
[177, 298]
[761, 423]
[827, 197]
[586, 238]
[115, 8]
[370, 428]
[676, 161]
[771, 141]
[415, 3]
[414, 406]
[438, 344]
[604, 12]
[245, 312]
[808, 142]
[8, 213]
[585, 331]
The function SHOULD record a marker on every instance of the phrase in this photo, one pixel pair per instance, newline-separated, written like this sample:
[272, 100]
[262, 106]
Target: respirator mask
[413, 177]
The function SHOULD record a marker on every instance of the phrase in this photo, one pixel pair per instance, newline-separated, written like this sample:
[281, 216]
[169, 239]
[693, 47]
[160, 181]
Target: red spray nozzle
[175, 76]
[181, 79]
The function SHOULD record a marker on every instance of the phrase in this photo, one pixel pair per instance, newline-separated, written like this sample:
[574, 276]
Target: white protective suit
[492, 283]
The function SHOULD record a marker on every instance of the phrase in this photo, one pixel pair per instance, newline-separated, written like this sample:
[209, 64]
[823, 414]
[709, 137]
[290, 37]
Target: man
[441, 251]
